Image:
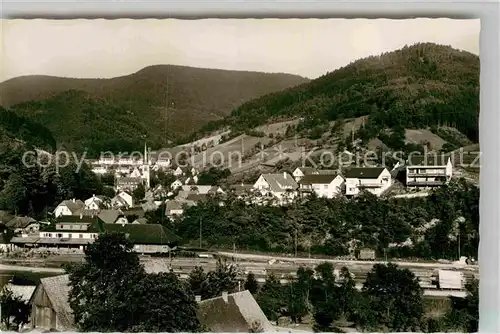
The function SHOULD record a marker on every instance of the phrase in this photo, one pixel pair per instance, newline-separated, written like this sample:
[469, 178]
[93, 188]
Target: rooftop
[364, 172]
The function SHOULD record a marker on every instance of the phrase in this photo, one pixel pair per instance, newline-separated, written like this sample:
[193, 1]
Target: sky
[307, 47]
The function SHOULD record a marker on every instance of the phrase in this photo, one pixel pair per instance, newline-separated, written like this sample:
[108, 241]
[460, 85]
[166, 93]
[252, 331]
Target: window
[80, 236]
[59, 235]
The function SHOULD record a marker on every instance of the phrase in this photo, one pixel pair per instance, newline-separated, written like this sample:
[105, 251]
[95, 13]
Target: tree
[222, 279]
[270, 298]
[464, 314]
[251, 284]
[197, 281]
[14, 310]
[14, 193]
[111, 291]
[395, 296]
[166, 305]
[139, 192]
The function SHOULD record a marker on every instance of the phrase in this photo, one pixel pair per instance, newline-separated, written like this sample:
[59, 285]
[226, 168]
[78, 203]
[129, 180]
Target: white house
[135, 173]
[372, 179]
[176, 184]
[95, 203]
[68, 207]
[99, 169]
[128, 183]
[428, 170]
[327, 186]
[123, 199]
[280, 186]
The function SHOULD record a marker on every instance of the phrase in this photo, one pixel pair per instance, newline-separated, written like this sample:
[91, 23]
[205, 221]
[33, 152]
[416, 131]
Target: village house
[99, 169]
[23, 225]
[175, 208]
[176, 184]
[109, 216]
[77, 232]
[50, 309]
[68, 207]
[96, 202]
[281, 187]
[230, 313]
[325, 185]
[428, 170]
[233, 313]
[128, 183]
[372, 179]
[300, 172]
[241, 190]
[178, 172]
[122, 200]
[67, 232]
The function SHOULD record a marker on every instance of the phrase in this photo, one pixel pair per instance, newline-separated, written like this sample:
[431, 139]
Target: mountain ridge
[160, 101]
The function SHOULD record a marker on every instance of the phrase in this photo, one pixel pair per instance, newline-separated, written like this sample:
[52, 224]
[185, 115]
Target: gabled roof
[149, 206]
[137, 211]
[177, 205]
[86, 212]
[238, 314]
[76, 219]
[317, 179]
[73, 205]
[307, 170]
[140, 221]
[25, 292]
[57, 289]
[109, 216]
[364, 172]
[20, 222]
[280, 183]
[153, 234]
[428, 160]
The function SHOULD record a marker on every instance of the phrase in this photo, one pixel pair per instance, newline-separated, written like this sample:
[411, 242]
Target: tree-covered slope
[16, 129]
[415, 87]
[136, 104]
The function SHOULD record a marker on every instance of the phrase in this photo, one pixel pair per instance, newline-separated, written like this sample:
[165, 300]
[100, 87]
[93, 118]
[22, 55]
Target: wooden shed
[50, 308]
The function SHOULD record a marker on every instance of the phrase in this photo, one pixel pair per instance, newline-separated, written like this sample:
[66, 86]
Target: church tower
[145, 167]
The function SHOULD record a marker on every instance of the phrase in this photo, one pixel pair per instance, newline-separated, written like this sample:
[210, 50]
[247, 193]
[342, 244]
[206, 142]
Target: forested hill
[15, 130]
[414, 87]
[132, 105]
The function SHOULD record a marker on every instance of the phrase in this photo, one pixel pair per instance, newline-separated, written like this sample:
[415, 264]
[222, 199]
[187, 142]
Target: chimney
[284, 175]
[74, 200]
[224, 296]
[197, 298]
[93, 195]
[81, 215]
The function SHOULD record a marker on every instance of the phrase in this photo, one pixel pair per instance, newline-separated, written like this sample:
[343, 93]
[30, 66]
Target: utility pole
[458, 244]
[200, 232]
[295, 242]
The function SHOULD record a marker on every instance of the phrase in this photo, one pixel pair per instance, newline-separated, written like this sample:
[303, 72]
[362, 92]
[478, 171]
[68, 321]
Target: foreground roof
[57, 289]
[238, 314]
